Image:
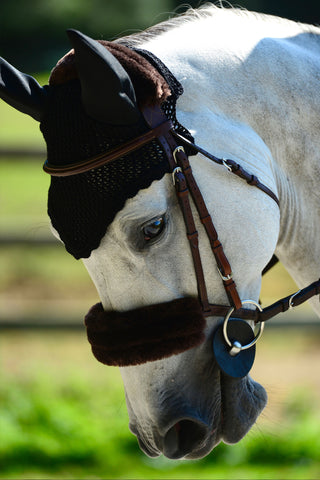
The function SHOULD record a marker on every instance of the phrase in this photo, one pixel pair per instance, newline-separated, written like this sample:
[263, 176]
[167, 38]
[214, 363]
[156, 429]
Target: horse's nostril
[184, 437]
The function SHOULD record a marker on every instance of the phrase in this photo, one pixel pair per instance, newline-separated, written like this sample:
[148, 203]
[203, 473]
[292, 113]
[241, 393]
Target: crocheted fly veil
[82, 206]
[92, 104]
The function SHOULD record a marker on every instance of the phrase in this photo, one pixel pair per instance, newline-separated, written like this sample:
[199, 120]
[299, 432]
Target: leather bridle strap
[265, 314]
[192, 235]
[232, 166]
[288, 302]
[281, 306]
[185, 183]
[113, 154]
[223, 264]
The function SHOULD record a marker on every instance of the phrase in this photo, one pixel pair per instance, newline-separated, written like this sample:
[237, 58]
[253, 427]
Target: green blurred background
[32, 33]
[62, 414]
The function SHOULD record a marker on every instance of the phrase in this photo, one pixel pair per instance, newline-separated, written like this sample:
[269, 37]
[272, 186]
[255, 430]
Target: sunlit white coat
[251, 94]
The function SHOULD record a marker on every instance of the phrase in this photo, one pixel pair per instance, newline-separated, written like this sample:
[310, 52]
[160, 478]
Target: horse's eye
[153, 229]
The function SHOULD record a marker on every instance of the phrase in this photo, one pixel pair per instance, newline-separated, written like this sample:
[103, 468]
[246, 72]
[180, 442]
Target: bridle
[185, 185]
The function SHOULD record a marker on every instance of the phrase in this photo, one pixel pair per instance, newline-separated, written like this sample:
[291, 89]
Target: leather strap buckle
[225, 278]
[177, 150]
[174, 172]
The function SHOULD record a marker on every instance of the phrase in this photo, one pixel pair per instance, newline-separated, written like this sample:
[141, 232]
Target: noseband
[161, 330]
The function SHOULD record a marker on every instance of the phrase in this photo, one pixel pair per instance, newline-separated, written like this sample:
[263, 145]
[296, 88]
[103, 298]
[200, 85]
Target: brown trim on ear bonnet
[145, 334]
[149, 85]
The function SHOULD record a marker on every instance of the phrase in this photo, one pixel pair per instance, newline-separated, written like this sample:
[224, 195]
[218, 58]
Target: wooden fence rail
[14, 240]
[22, 153]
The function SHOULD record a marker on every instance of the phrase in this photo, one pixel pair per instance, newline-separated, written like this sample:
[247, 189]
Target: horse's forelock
[150, 87]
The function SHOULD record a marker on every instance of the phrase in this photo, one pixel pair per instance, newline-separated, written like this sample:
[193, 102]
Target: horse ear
[106, 89]
[21, 91]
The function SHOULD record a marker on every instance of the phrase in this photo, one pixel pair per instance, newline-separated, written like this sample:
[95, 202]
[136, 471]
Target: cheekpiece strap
[185, 183]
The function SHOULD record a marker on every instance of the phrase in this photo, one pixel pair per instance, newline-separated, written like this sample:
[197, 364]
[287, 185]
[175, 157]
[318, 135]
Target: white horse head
[250, 95]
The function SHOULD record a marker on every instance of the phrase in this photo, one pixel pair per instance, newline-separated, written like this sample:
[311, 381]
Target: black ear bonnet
[91, 105]
[82, 206]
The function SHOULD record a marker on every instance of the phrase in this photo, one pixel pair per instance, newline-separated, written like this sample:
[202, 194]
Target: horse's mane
[149, 84]
[136, 39]
[192, 15]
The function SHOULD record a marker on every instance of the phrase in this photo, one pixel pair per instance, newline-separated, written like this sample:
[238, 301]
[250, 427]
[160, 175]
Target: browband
[113, 154]
[157, 132]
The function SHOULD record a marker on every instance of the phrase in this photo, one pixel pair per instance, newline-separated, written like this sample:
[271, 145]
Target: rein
[152, 346]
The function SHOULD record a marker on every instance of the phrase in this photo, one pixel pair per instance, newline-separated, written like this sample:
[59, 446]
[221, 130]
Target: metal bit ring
[256, 338]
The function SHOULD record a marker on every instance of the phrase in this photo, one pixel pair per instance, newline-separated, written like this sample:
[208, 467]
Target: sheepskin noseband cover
[145, 334]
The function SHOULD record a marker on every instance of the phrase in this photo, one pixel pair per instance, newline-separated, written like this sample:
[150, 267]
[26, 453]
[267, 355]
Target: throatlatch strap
[232, 166]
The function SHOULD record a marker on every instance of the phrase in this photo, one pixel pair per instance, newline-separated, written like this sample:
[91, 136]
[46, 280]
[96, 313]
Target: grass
[63, 415]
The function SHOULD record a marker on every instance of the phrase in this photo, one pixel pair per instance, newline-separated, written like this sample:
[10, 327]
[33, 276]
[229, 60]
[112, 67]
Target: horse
[250, 97]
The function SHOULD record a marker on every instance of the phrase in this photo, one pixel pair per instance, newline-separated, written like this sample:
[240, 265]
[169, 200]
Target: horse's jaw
[188, 412]
[242, 402]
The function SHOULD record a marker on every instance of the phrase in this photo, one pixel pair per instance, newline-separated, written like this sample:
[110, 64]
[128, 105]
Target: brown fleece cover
[145, 334]
[150, 87]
